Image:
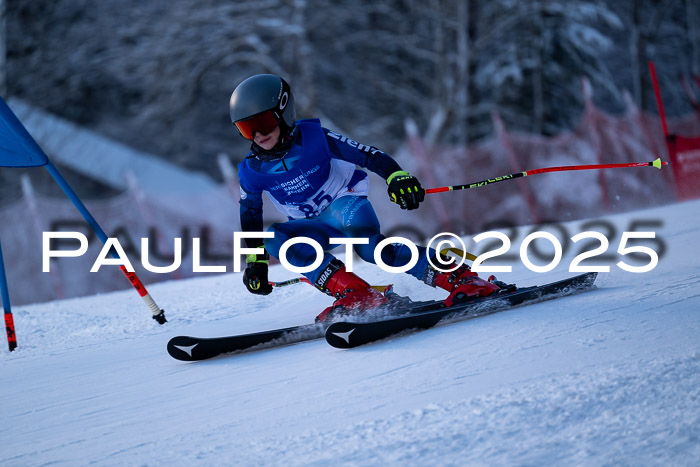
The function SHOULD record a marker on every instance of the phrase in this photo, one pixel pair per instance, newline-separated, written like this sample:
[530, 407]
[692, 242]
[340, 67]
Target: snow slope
[611, 376]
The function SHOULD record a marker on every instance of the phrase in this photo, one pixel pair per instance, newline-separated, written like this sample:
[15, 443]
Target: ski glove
[255, 275]
[405, 190]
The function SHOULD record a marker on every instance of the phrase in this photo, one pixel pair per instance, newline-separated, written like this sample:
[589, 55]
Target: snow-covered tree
[158, 74]
[532, 55]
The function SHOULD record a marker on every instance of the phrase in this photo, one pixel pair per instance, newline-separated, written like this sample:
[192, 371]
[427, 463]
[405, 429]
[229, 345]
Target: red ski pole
[656, 163]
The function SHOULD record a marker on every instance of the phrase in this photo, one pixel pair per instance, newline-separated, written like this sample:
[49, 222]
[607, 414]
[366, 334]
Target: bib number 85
[314, 206]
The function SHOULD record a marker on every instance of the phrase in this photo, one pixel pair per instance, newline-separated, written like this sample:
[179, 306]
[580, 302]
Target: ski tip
[339, 334]
[182, 348]
[588, 279]
[581, 282]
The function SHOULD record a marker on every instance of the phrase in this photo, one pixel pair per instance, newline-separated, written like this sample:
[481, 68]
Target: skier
[310, 174]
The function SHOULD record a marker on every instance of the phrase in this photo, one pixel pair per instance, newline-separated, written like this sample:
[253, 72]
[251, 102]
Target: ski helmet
[260, 103]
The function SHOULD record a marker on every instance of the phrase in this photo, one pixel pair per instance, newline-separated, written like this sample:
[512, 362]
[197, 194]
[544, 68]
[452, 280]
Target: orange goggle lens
[262, 123]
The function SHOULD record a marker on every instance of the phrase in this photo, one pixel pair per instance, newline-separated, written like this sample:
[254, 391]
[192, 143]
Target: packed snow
[606, 377]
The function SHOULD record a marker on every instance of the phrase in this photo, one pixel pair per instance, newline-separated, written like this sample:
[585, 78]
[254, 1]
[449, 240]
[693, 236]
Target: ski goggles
[262, 123]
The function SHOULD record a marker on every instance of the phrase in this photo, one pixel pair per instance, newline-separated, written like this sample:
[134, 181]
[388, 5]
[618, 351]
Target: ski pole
[296, 280]
[656, 163]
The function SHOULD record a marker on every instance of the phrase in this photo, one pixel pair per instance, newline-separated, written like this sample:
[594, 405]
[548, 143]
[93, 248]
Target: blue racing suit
[317, 185]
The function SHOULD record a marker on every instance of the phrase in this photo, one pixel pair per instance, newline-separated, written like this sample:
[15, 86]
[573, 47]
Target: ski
[348, 334]
[188, 348]
[192, 349]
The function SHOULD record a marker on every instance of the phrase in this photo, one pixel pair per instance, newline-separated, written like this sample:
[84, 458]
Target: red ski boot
[461, 283]
[351, 292]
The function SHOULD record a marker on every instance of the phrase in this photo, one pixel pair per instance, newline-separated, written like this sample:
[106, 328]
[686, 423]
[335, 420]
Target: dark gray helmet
[258, 94]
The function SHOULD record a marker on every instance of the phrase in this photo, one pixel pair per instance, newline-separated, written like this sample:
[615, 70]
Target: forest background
[158, 74]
